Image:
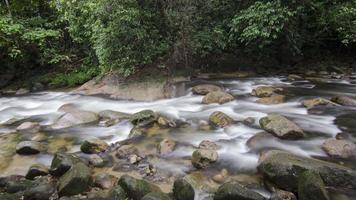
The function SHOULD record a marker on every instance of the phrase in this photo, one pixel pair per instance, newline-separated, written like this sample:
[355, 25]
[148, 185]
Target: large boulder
[344, 100]
[93, 146]
[29, 148]
[202, 158]
[339, 148]
[234, 190]
[264, 91]
[143, 118]
[220, 119]
[43, 190]
[183, 190]
[136, 189]
[284, 169]
[217, 97]
[75, 181]
[75, 118]
[37, 170]
[61, 163]
[311, 103]
[281, 127]
[274, 99]
[205, 89]
[311, 187]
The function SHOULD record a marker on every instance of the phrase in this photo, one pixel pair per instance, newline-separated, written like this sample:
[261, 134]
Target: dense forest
[76, 40]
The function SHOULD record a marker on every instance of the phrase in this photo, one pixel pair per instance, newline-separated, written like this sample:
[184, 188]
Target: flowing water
[234, 154]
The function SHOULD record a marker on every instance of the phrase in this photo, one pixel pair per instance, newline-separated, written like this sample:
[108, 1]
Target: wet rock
[202, 158]
[113, 115]
[311, 187]
[344, 100]
[39, 137]
[156, 196]
[96, 161]
[97, 195]
[311, 103]
[29, 127]
[165, 122]
[221, 177]
[134, 159]
[183, 190]
[75, 118]
[282, 195]
[125, 151]
[264, 91]
[206, 144]
[105, 181]
[37, 170]
[275, 99]
[281, 127]
[283, 169]
[93, 146]
[117, 193]
[217, 97]
[136, 188]
[29, 148]
[256, 141]
[143, 118]
[137, 132]
[204, 125]
[339, 148]
[22, 91]
[44, 190]
[7, 148]
[220, 119]
[205, 89]
[68, 107]
[234, 190]
[249, 121]
[75, 181]
[61, 163]
[294, 77]
[166, 146]
[15, 185]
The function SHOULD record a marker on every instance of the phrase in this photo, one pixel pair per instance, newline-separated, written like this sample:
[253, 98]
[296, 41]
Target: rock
[117, 193]
[6, 196]
[125, 151]
[136, 188]
[234, 190]
[97, 195]
[134, 159]
[42, 191]
[264, 91]
[137, 132]
[339, 148]
[282, 195]
[311, 103]
[29, 148]
[281, 127]
[221, 177]
[166, 123]
[283, 169]
[311, 187]
[294, 77]
[256, 142]
[156, 196]
[75, 118]
[220, 119]
[29, 127]
[22, 91]
[15, 185]
[344, 100]
[166, 146]
[204, 125]
[96, 161]
[274, 99]
[206, 144]
[143, 118]
[37, 170]
[205, 89]
[217, 97]
[61, 163]
[93, 146]
[39, 137]
[249, 121]
[183, 190]
[75, 181]
[105, 181]
[202, 158]
[67, 108]
[113, 115]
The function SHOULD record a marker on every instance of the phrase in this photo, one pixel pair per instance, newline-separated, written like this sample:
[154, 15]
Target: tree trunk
[8, 7]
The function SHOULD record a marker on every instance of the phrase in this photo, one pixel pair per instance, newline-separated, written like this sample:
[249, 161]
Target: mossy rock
[61, 163]
[156, 196]
[6, 196]
[137, 188]
[234, 190]
[220, 119]
[281, 127]
[311, 187]
[75, 181]
[183, 190]
[143, 118]
[93, 146]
